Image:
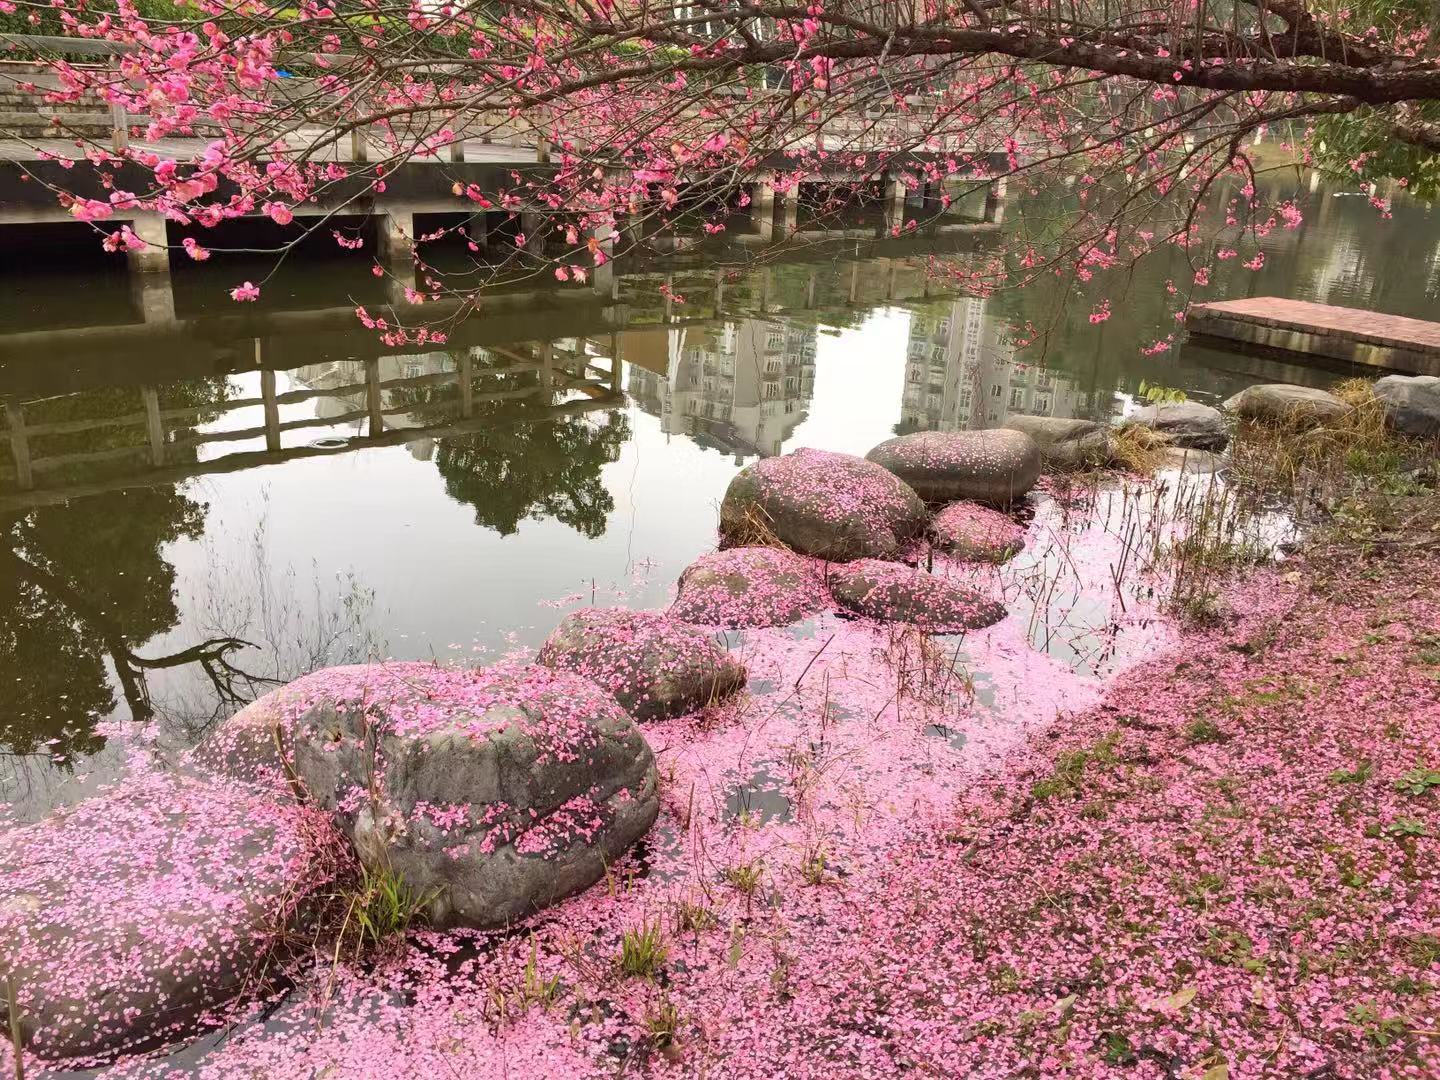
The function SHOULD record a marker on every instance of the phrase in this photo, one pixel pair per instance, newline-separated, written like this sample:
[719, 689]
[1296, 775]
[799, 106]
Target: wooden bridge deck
[1392, 342]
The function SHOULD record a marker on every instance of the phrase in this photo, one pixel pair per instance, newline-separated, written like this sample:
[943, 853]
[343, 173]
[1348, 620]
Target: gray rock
[892, 591]
[819, 503]
[985, 466]
[491, 792]
[656, 666]
[750, 586]
[1186, 423]
[131, 919]
[1066, 443]
[1190, 460]
[1284, 403]
[1412, 404]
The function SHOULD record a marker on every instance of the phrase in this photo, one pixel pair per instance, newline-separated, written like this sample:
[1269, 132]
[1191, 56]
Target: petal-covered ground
[1066, 845]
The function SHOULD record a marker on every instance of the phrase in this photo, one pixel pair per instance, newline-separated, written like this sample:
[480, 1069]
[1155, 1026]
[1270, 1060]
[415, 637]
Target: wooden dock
[1391, 342]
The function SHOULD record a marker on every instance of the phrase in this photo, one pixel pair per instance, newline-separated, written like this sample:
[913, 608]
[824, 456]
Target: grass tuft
[382, 909]
[746, 876]
[643, 951]
[1138, 449]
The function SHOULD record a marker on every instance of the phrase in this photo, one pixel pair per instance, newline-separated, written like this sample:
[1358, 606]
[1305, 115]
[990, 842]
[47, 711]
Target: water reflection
[741, 387]
[962, 372]
[283, 479]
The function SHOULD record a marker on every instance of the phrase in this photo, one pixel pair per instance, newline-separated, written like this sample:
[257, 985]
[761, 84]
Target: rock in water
[1186, 423]
[750, 586]
[970, 531]
[986, 466]
[655, 666]
[1412, 404]
[892, 591]
[1190, 460]
[490, 792]
[1066, 443]
[127, 919]
[832, 505]
[1283, 403]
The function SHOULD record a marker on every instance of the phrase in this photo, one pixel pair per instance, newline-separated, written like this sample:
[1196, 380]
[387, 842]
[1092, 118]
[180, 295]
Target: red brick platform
[1391, 342]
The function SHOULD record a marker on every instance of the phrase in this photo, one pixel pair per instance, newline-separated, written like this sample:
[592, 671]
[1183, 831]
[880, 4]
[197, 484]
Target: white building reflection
[741, 387]
[961, 373]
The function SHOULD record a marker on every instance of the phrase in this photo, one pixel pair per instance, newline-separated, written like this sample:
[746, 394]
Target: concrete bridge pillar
[153, 295]
[602, 278]
[477, 228]
[995, 201]
[394, 233]
[633, 228]
[762, 209]
[531, 222]
[154, 257]
[790, 211]
[895, 194]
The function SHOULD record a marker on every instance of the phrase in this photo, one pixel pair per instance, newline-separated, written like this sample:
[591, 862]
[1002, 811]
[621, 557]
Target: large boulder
[1065, 442]
[894, 592]
[491, 793]
[750, 586]
[1284, 403]
[656, 666]
[1186, 423]
[128, 920]
[974, 532]
[945, 466]
[1412, 404]
[819, 503]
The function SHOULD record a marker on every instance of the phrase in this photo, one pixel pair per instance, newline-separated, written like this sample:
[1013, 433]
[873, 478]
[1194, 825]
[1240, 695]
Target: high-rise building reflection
[961, 372]
[740, 387]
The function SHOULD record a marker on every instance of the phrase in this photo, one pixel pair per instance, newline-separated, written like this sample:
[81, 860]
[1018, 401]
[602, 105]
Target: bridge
[486, 150]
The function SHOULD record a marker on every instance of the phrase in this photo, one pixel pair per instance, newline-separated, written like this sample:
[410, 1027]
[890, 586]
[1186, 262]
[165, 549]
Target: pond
[280, 478]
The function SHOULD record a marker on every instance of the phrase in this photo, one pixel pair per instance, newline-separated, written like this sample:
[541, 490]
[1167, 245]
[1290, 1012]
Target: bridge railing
[883, 126]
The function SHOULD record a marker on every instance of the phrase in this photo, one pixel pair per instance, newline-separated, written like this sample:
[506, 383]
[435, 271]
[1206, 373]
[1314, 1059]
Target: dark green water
[221, 473]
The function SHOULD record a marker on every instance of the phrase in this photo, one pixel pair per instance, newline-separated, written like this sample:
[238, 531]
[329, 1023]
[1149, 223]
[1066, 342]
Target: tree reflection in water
[529, 461]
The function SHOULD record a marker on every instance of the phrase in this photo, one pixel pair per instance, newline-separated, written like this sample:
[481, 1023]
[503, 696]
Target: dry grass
[1311, 469]
[924, 671]
[1139, 449]
[753, 529]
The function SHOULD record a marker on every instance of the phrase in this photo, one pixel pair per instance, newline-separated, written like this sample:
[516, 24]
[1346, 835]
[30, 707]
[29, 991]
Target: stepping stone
[1186, 423]
[834, 506]
[656, 666]
[750, 586]
[491, 792]
[130, 919]
[895, 592]
[945, 466]
[1066, 443]
[975, 532]
[1283, 403]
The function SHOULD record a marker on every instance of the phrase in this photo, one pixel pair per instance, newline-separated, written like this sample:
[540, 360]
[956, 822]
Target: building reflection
[740, 387]
[961, 373]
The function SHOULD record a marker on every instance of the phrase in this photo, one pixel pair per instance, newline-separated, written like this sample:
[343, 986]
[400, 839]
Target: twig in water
[12, 1006]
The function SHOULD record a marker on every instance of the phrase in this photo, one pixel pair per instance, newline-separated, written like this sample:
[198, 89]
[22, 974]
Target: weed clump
[380, 911]
[1068, 779]
[1138, 449]
[643, 951]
